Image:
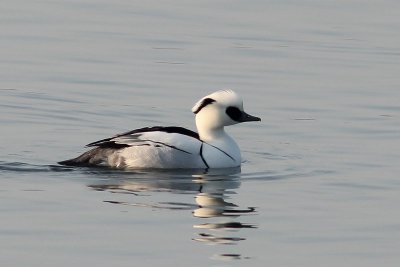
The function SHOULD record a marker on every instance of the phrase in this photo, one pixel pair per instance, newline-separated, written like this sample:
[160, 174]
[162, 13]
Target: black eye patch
[234, 113]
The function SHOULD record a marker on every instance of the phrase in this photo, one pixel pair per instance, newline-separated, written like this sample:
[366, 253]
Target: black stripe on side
[173, 147]
[112, 144]
[202, 157]
[222, 151]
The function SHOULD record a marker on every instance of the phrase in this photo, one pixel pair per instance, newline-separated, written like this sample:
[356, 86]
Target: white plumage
[176, 147]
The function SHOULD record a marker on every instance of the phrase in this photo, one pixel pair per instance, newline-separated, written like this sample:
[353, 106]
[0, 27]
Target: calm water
[320, 185]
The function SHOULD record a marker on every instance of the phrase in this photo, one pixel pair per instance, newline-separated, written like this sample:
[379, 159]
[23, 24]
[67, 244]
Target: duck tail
[94, 157]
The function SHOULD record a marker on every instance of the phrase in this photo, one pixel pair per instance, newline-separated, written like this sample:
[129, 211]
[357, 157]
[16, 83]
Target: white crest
[223, 97]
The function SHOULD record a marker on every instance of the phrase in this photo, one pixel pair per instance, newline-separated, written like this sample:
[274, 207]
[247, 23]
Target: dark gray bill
[248, 117]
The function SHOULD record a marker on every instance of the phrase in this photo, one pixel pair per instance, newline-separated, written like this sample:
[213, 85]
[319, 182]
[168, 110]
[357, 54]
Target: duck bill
[247, 117]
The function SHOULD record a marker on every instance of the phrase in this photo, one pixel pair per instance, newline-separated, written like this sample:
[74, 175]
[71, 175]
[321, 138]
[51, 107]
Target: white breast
[226, 155]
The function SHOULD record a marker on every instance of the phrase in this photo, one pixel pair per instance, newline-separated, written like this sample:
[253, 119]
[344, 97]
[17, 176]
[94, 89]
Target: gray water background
[320, 182]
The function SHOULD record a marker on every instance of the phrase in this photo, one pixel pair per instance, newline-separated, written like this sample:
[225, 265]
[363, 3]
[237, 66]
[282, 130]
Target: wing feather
[178, 138]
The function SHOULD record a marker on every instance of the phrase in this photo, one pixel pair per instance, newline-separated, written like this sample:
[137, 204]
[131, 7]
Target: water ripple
[26, 167]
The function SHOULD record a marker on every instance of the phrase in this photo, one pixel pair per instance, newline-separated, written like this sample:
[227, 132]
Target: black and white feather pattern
[156, 136]
[155, 146]
[176, 147]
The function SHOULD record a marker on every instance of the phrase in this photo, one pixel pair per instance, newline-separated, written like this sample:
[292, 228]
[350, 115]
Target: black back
[109, 143]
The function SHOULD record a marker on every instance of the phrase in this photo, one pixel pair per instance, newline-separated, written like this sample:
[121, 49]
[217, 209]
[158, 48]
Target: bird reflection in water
[222, 216]
[212, 190]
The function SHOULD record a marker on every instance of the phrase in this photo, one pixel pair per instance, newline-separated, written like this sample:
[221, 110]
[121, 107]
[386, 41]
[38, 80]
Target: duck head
[217, 110]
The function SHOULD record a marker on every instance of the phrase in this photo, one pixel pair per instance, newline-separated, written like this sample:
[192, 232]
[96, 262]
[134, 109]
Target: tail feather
[94, 157]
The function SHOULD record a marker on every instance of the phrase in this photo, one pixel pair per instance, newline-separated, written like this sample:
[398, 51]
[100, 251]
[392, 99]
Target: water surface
[319, 185]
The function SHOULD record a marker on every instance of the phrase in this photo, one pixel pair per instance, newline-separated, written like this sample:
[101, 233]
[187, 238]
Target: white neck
[209, 130]
[210, 135]
[210, 122]
[217, 137]
[213, 134]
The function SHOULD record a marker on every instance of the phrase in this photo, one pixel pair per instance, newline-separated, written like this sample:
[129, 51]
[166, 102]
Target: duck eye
[234, 113]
